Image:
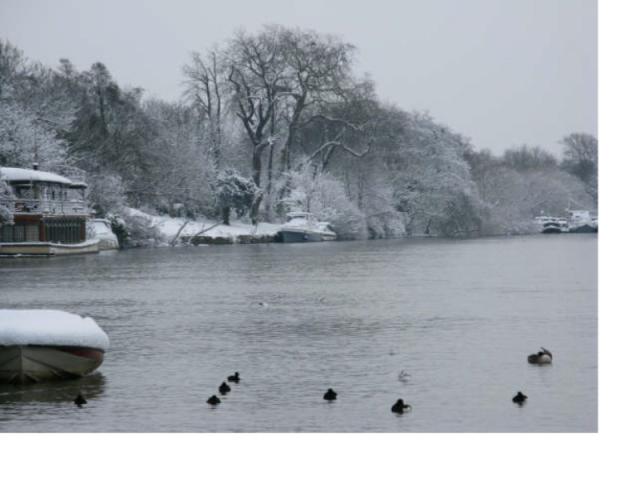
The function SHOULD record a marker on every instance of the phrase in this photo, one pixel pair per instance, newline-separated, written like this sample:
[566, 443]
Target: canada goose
[235, 378]
[80, 400]
[543, 357]
[224, 388]
[213, 400]
[330, 395]
[519, 398]
[400, 406]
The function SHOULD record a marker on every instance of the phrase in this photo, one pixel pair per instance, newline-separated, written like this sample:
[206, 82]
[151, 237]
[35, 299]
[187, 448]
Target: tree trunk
[226, 215]
[255, 208]
[257, 164]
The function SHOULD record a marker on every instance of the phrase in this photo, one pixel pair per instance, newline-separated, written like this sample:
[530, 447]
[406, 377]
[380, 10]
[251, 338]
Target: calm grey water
[459, 316]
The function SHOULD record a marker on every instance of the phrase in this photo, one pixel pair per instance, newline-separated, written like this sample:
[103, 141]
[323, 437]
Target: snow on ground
[50, 327]
[169, 227]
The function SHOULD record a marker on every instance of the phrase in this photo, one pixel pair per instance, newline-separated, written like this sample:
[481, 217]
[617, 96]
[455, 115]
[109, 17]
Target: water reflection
[55, 391]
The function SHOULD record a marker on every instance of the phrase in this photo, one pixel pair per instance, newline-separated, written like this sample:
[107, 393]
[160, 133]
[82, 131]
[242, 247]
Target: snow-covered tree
[233, 191]
[106, 194]
[325, 197]
[7, 202]
[25, 138]
[581, 159]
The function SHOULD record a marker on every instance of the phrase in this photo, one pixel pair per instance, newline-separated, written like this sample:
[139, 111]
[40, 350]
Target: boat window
[6, 233]
[24, 191]
[65, 230]
[31, 233]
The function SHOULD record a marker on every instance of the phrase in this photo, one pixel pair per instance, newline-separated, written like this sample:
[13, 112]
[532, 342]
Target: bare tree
[204, 90]
[318, 73]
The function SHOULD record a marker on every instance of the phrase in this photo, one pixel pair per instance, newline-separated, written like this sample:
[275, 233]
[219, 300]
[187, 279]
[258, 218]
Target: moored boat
[304, 227]
[39, 345]
[50, 214]
[555, 225]
[581, 221]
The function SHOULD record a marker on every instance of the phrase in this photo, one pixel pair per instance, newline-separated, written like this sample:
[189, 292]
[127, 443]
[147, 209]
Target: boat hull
[297, 236]
[33, 363]
[48, 248]
[583, 229]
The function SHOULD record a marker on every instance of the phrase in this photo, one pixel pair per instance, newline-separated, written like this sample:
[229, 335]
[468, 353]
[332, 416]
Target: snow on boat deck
[51, 328]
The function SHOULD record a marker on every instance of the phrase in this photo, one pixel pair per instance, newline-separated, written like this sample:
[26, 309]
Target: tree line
[274, 121]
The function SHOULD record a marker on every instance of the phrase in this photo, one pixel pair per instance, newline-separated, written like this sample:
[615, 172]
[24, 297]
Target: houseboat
[50, 214]
[304, 227]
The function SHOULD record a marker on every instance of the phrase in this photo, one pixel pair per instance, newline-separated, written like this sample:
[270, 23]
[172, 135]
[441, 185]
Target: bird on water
[224, 388]
[235, 378]
[543, 357]
[330, 395]
[80, 400]
[520, 398]
[213, 400]
[400, 406]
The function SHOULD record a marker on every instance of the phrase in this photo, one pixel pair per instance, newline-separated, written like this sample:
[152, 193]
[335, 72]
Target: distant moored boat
[581, 221]
[304, 227]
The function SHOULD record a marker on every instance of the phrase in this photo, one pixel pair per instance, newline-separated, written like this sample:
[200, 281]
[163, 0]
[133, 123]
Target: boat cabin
[580, 216]
[47, 207]
[306, 216]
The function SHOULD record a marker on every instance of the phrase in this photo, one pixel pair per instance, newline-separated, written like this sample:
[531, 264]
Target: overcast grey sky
[502, 72]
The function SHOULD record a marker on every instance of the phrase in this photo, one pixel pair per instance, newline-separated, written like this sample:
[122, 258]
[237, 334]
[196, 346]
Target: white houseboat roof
[11, 174]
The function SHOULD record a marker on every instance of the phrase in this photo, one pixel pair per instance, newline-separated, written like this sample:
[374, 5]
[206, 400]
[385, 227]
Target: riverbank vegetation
[275, 121]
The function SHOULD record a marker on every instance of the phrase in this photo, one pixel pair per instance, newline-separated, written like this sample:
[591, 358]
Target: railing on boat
[50, 207]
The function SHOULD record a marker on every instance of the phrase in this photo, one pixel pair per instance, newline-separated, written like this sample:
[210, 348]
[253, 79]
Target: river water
[460, 317]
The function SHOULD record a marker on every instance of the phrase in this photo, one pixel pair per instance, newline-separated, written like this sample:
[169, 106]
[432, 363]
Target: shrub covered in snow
[136, 229]
[233, 191]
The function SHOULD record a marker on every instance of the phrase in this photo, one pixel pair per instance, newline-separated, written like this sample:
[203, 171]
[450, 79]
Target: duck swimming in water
[224, 388]
[519, 398]
[80, 400]
[400, 406]
[330, 395]
[235, 378]
[213, 400]
[543, 357]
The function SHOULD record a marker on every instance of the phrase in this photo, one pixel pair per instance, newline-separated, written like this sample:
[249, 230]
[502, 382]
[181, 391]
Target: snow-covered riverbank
[179, 230]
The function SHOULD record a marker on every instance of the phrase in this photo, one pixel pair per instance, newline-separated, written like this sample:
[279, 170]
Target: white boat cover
[50, 327]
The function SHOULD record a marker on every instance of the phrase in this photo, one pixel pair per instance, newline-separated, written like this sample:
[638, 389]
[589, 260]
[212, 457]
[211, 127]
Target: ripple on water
[459, 316]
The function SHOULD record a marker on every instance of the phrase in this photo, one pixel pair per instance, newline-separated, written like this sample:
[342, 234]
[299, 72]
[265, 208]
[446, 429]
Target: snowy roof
[25, 175]
[50, 327]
